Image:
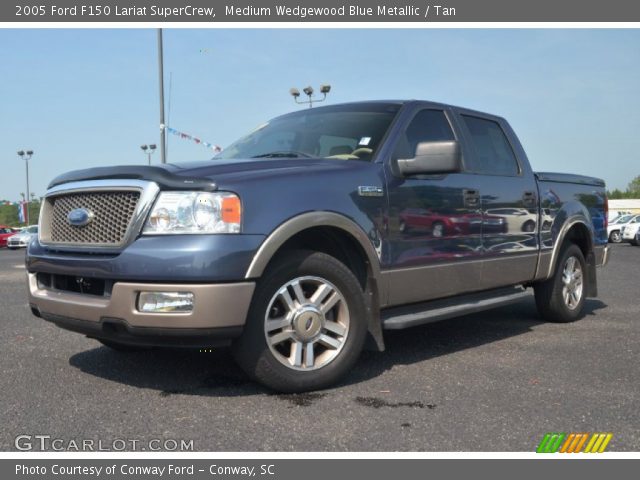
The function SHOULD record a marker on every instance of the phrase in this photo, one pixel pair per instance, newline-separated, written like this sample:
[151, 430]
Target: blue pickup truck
[303, 241]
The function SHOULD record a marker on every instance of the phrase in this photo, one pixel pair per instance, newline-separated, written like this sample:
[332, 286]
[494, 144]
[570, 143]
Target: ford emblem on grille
[79, 217]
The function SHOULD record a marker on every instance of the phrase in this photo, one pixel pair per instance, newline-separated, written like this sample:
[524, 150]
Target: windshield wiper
[283, 154]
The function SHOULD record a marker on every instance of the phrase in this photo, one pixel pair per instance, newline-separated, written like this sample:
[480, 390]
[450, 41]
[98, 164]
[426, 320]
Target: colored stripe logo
[574, 443]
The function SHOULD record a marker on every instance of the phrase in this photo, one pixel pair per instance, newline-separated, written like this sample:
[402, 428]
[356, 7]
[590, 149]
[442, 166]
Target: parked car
[629, 233]
[518, 219]
[448, 224]
[22, 238]
[614, 229]
[288, 246]
[5, 233]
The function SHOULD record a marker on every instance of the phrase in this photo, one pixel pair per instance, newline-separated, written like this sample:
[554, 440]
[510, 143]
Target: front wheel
[561, 298]
[306, 326]
[615, 237]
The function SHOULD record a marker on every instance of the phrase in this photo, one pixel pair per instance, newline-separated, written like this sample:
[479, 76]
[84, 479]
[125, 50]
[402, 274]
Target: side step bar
[397, 318]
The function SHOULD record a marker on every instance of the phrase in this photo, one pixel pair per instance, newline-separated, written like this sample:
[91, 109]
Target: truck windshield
[344, 132]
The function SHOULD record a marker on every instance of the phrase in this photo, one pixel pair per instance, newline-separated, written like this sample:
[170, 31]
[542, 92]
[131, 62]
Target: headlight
[194, 212]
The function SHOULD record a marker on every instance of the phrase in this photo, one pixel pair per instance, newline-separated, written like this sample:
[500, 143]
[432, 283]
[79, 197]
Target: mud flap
[591, 277]
[375, 339]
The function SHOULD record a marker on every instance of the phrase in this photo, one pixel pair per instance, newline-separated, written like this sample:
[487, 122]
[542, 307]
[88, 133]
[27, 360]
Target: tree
[615, 194]
[633, 189]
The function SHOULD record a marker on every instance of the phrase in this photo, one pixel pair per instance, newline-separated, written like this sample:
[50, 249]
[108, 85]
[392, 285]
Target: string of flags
[186, 136]
[21, 206]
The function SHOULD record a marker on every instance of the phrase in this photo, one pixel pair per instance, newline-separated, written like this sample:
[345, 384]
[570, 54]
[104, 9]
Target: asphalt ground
[496, 381]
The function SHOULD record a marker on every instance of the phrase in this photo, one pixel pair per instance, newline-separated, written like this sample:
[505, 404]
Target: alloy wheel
[306, 323]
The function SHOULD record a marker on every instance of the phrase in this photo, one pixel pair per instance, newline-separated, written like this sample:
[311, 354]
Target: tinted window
[330, 145]
[426, 126]
[493, 154]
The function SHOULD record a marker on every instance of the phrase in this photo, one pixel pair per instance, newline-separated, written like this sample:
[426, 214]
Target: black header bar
[210, 11]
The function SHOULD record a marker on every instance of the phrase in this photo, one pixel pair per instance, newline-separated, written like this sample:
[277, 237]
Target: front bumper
[219, 312]
[170, 258]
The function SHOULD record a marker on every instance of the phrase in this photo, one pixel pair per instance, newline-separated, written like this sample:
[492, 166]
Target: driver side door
[434, 221]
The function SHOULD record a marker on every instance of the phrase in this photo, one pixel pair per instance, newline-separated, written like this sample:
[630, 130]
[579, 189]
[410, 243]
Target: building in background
[623, 206]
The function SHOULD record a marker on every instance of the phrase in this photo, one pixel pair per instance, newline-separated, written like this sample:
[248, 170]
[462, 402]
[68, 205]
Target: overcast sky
[83, 98]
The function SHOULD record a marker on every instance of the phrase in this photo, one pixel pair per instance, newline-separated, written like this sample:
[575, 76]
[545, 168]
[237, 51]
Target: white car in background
[614, 229]
[22, 238]
[629, 232]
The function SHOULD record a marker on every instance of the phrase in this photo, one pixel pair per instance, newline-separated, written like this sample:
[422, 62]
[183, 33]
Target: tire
[529, 226]
[277, 353]
[634, 242]
[437, 229]
[121, 347]
[561, 298]
[615, 237]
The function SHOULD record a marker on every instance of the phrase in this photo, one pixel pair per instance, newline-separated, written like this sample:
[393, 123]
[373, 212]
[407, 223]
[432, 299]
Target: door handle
[471, 197]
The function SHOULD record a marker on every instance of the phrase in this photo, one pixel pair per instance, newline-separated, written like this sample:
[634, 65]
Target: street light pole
[26, 156]
[148, 150]
[308, 91]
[163, 153]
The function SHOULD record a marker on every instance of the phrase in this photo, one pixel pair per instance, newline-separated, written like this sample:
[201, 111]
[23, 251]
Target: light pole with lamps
[148, 150]
[26, 156]
[308, 91]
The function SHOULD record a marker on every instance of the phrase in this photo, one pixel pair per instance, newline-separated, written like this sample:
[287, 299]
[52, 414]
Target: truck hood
[205, 175]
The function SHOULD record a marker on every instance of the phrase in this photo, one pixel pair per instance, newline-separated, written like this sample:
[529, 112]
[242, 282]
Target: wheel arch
[335, 235]
[576, 231]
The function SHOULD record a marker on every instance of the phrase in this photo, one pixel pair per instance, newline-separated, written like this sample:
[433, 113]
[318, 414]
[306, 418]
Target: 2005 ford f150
[312, 235]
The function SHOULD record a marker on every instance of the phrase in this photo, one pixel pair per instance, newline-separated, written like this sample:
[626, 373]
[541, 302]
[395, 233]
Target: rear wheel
[306, 326]
[615, 237]
[529, 226]
[561, 298]
[437, 229]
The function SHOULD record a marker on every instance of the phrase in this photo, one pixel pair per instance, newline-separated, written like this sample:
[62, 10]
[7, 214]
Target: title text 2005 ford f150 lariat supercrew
[315, 233]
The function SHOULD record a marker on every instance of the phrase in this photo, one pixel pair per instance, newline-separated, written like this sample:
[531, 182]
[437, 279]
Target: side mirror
[433, 158]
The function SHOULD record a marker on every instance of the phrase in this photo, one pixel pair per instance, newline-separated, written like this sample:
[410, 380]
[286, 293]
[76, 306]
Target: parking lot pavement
[486, 382]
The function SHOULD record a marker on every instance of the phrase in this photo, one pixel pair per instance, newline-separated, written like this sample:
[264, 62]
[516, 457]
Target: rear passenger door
[509, 200]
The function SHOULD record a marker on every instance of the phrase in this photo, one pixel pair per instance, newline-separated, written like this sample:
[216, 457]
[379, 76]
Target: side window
[426, 126]
[493, 154]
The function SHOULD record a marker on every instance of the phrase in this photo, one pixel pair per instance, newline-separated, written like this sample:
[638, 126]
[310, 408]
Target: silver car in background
[22, 239]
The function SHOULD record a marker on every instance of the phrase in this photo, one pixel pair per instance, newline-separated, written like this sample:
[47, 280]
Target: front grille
[112, 214]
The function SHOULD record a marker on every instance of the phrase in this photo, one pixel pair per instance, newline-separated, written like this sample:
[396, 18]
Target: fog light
[165, 302]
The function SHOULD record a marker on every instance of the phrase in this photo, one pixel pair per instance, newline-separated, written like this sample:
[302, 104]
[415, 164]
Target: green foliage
[634, 187]
[9, 214]
[632, 191]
